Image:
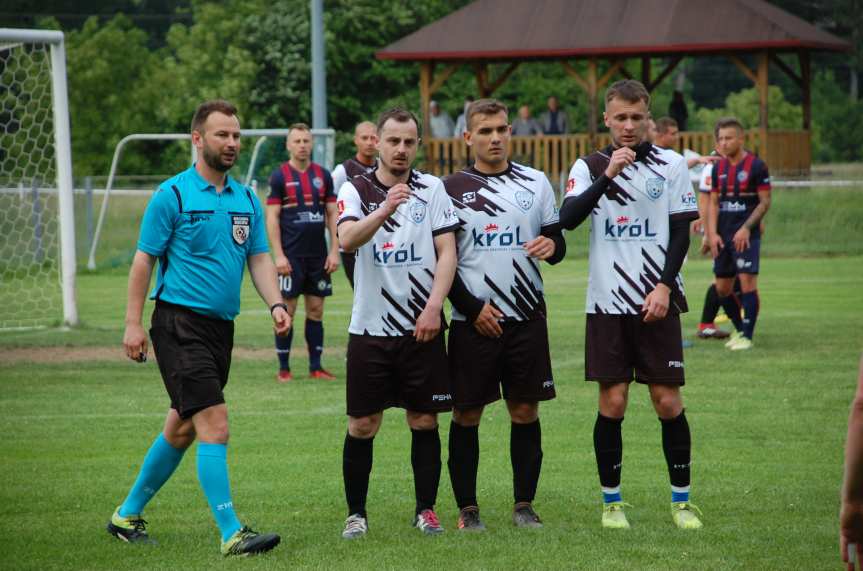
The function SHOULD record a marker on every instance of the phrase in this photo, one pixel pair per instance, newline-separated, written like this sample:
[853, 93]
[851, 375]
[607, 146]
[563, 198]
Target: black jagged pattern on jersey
[416, 302]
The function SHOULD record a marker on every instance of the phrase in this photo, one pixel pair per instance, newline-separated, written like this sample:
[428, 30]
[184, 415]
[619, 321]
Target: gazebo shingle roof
[546, 29]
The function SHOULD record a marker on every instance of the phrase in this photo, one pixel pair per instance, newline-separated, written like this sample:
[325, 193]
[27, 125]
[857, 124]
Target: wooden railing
[788, 152]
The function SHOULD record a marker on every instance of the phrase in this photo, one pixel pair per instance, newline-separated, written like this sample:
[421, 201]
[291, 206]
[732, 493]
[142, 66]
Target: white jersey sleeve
[548, 203]
[705, 181]
[340, 176]
[579, 179]
[682, 198]
[441, 210]
[350, 206]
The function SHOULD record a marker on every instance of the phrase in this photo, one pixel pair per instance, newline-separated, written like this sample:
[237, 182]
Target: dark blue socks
[315, 342]
[751, 304]
[283, 349]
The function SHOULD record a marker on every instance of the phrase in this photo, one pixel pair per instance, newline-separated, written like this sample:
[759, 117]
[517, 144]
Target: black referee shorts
[194, 355]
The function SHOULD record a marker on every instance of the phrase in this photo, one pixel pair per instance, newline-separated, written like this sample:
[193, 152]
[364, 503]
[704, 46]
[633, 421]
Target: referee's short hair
[207, 108]
[630, 90]
[399, 115]
[726, 122]
[484, 107]
[663, 124]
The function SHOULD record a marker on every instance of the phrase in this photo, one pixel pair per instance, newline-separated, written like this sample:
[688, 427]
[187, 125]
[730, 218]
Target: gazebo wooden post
[762, 86]
[805, 88]
[645, 71]
[591, 100]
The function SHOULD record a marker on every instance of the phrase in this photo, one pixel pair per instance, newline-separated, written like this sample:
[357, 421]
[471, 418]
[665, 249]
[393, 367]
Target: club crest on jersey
[317, 183]
[742, 176]
[524, 199]
[418, 211]
[654, 187]
[240, 229]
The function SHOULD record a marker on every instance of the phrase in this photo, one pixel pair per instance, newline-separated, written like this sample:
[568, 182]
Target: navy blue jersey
[303, 197]
[738, 186]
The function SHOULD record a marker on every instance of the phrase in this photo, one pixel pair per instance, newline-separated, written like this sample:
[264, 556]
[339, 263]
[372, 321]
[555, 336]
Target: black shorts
[518, 361]
[620, 348]
[307, 277]
[396, 371]
[194, 355]
[730, 262]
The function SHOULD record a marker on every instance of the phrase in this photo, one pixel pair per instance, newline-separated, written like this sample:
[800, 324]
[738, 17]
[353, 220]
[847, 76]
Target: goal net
[37, 239]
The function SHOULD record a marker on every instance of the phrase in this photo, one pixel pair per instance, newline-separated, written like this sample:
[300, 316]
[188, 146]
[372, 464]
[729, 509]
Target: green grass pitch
[768, 428]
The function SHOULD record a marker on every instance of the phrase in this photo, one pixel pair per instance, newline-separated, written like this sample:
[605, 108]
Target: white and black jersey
[394, 270]
[497, 215]
[348, 170]
[630, 227]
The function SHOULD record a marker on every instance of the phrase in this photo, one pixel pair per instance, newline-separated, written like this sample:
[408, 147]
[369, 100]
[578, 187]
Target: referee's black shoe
[248, 542]
[131, 529]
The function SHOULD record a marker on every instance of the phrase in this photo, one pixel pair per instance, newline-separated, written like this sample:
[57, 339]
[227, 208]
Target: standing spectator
[461, 121]
[554, 121]
[677, 110]
[525, 125]
[440, 123]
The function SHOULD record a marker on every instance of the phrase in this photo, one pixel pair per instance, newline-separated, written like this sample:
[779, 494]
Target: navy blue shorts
[307, 277]
[730, 262]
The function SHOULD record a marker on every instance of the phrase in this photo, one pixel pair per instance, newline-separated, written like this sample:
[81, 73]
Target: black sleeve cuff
[554, 232]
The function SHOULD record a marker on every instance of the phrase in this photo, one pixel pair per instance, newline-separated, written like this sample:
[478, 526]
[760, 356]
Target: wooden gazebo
[605, 35]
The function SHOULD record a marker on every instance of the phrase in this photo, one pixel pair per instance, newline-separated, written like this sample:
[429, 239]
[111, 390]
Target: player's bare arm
[135, 337]
[332, 262]
[701, 224]
[429, 323]
[714, 240]
[541, 247]
[283, 266]
[263, 274]
[355, 233]
[851, 513]
[741, 237]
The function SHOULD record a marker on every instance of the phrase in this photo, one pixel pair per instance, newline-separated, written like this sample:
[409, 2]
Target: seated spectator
[524, 124]
[554, 121]
[440, 123]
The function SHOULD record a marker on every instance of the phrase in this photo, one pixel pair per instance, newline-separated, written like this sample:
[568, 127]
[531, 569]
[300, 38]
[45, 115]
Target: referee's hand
[281, 321]
[135, 342]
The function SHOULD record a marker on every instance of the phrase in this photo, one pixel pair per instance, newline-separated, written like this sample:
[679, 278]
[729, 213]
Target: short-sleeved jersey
[348, 170]
[303, 197]
[630, 227]
[394, 270]
[705, 181]
[202, 240]
[738, 187]
[498, 214]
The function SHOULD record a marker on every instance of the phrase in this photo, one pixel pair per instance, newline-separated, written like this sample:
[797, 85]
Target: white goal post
[35, 153]
[324, 147]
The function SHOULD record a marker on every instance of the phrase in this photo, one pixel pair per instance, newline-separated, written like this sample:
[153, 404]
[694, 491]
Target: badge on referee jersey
[240, 229]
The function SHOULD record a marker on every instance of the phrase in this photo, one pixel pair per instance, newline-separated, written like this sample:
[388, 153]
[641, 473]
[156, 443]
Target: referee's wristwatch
[280, 304]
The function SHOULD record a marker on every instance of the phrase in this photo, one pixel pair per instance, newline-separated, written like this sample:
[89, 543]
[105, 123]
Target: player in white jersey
[400, 223]
[364, 162]
[640, 204]
[508, 223]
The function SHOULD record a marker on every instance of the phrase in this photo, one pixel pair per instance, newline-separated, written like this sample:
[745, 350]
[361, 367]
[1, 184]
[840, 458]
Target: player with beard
[400, 223]
[364, 162]
[640, 203]
[203, 227]
[499, 337]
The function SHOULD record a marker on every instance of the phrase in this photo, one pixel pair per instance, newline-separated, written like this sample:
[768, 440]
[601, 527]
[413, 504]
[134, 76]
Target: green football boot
[683, 514]
[248, 542]
[613, 516]
[131, 529]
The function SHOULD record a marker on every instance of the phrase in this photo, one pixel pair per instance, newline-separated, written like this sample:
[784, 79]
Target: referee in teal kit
[203, 227]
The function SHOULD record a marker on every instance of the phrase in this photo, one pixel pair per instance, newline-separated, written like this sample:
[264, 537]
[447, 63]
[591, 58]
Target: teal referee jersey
[202, 240]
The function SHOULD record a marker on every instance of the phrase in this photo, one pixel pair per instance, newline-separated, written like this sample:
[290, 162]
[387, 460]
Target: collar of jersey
[505, 171]
[378, 182]
[201, 184]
